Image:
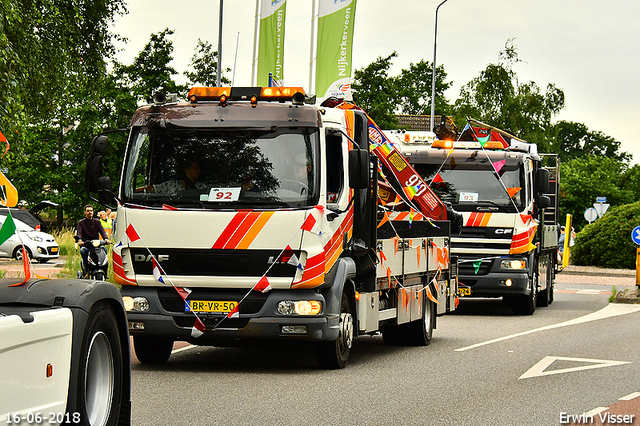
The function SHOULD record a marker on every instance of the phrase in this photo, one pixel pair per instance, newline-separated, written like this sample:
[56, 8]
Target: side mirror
[542, 202]
[542, 181]
[105, 193]
[94, 169]
[359, 169]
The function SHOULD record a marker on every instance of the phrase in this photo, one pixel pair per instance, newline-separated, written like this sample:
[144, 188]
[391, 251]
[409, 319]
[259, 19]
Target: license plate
[54, 249]
[464, 291]
[210, 306]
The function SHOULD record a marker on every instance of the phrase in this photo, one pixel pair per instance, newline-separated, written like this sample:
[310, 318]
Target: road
[484, 366]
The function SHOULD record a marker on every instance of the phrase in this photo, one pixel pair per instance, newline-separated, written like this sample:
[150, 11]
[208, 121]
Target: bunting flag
[8, 228]
[483, 140]
[263, 285]
[334, 47]
[198, 329]
[234, 312]
[411, 191]
[271, 42]
[168, 207]
[513, 191]
[412, 214]
[156, 270]
[498, 165]
[437, 179]
[383, 220]
[476, 266]
[131, 233]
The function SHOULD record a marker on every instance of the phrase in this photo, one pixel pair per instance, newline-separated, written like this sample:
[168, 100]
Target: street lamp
[433, 73]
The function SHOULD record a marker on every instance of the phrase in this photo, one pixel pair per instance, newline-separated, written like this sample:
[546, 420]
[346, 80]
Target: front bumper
[259, 321]
[489, 280]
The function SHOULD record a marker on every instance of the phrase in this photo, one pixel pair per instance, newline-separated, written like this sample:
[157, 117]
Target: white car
[39, 245]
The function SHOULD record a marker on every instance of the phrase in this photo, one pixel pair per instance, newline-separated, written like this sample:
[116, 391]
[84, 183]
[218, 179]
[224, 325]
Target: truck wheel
[419, 333]
[100, 368]
[545, 298]
[151, 350]
[526, 305]
[335, 354]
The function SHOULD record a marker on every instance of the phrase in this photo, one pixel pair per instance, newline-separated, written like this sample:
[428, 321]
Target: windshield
[477, 186]
[208, 168]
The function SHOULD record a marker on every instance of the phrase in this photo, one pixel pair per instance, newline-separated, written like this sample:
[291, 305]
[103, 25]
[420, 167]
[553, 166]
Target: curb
[628, 296]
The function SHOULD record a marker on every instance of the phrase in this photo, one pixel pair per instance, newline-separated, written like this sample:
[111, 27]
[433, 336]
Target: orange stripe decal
[253, 232]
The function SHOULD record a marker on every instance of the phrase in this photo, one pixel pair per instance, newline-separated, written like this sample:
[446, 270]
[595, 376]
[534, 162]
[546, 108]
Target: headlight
[513, 264]
[35, 238]
[299, 307]
[139, 304]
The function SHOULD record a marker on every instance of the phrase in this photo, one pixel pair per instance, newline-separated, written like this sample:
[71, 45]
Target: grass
[68, 250]
[614, 291]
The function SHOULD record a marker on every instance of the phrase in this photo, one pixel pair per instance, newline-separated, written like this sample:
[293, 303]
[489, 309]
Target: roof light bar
[253, 94]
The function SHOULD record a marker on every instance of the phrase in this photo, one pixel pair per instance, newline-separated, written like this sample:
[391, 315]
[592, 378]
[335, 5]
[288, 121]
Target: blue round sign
[635, 235]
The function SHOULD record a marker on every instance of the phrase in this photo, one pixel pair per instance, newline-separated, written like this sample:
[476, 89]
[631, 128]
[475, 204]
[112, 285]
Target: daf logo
[148, 258]
[504, 231]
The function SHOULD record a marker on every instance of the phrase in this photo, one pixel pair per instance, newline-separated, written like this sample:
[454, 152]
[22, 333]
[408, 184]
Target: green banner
[335, 40]
[271, 44]
[8, 228]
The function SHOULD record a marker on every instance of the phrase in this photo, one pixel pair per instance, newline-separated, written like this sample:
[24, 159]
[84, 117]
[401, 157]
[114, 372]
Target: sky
[590, 50]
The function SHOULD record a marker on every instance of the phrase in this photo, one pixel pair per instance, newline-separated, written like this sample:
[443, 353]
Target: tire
[419, 333]
[526, 304]
[545, 297]
[335, 354]
[100, 375]
[17, 253]
[151, 350]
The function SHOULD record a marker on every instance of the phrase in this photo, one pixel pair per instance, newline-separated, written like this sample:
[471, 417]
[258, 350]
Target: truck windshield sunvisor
[222, 168]
[478, 186]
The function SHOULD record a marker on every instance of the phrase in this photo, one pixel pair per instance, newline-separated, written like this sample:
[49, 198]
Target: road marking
[539, 369]
[611, 310]
[629, 397]
[596, 411]
[185, 348]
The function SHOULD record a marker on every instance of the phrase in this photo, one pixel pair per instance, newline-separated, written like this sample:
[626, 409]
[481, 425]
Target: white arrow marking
[611, 310]
[637, 234]
[539, 369]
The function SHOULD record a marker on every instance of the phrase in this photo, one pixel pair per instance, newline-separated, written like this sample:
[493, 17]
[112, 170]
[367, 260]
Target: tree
[374, 91]
[414, 89]
[496, 97]
[606, 242]
[55, 66]
[587, 177]
[205, 64]
[573, 140]
[150, 71]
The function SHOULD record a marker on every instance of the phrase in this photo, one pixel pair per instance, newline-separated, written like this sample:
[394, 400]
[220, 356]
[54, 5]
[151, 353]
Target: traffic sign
[590, 214]
[601, 199]
[635, 235]
[601, 208]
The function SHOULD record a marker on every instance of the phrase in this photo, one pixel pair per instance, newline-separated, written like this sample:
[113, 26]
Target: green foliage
[150, 71]
[496, 97]
[205, 65]
[374, 91]
[585, 178]
[573, 140]
[384, 96]
[607, 241]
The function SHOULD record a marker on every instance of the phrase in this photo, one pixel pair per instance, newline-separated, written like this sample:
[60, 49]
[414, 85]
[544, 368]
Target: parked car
[39, 245]
[30, 217]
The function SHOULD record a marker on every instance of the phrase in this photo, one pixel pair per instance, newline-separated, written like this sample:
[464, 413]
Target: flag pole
[311, 46]
[219, 76]
[255, 44]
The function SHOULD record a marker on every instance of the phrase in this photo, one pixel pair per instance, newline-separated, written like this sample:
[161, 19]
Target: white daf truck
[508, 195]
[280, 236]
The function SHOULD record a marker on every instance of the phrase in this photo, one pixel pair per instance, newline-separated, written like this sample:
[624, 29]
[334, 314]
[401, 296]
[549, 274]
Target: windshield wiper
[490, 206]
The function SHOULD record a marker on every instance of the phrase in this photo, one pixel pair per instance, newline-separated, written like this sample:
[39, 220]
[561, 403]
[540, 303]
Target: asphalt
[623, 279]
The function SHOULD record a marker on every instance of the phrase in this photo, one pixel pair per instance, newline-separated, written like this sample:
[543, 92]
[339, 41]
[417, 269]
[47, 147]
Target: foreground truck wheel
[420, 332]
[152, 350]
[526, 305]
[100, 376]
[335, 354]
